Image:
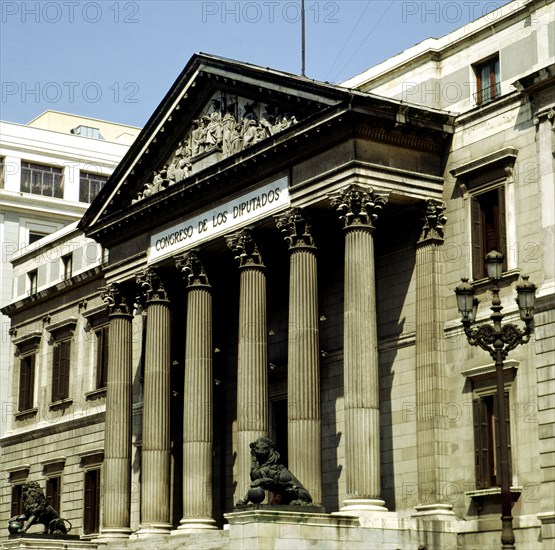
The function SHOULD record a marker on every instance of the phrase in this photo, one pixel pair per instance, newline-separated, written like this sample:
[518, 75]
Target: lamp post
[498, 340]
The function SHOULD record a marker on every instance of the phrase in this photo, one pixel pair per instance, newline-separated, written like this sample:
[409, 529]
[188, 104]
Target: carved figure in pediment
[198, 136]
[268, 120]
[214, 130]
[228, 125]
[237, 139]
[250, 133]
[179, 170]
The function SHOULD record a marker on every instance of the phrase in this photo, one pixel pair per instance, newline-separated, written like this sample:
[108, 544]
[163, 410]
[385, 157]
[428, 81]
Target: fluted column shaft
[117, 434]
[198, 411]
[155, 469]
[303, 368]
[362, 413]
[252, 361]
[430, 365]
[358, 206]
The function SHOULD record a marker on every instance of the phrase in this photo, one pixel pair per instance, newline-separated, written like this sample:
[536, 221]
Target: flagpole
[303, 23]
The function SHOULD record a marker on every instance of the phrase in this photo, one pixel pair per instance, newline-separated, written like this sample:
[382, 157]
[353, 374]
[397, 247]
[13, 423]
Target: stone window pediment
[28, 342]
[62, 329]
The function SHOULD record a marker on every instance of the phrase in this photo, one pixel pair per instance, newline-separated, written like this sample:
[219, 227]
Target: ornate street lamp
[498, 340]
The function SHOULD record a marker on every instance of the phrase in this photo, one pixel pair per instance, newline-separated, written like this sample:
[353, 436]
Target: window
[67, 266]
[488, 228]
[53, 485]
[2, 164]
[34, 237]
[90, 185]
[486, 440]
[41, 179]
[91, 515]
[16, 501]
[102, 356]
[33, 277]
[487, 80]
[60, 370]
[26, 382]
[87, 131]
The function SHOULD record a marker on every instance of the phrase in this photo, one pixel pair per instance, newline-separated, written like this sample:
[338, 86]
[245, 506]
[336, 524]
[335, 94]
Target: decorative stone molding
[358, 205]
[295, 228]
[501, 161]
[150, 286]
[192, 269]
[114, 299]
[434, 220]
[61, 329]
[28, 342]
[245, 249]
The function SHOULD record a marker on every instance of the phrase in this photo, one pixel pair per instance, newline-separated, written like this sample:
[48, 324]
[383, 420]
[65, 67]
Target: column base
[354, 505]
[153, 529]
[114, 533]
[195, 524]
[434, 511]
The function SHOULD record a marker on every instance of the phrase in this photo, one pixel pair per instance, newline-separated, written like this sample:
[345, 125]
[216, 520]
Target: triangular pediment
[216, 110]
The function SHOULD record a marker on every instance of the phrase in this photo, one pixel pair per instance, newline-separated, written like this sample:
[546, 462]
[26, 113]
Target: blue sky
[115, 60]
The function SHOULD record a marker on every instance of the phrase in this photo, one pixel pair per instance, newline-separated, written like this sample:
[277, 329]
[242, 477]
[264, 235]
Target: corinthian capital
[150, 286]
[434, 220]
[358, 205]
[192, 269]
[295, 228]
[114, 298]
[245, 249]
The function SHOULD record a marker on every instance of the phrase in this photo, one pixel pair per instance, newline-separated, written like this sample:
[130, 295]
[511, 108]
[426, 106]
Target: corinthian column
[117, 434]
[197, 397]
[358, 207]
[303, 369]
[155, 457]
[252, 362]
[430, 365]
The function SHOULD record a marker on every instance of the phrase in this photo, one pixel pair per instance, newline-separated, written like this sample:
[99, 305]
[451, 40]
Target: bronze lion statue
[36, 510]
[268, 474]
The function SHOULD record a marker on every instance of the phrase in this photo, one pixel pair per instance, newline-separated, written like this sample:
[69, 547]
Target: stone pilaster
[431, 394]
[197, 397]
[303, 369]
[155, 457]
[252, 363]
[117, 435]
[358, 207]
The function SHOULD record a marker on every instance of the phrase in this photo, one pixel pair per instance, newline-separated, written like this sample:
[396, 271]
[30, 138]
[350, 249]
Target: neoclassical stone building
[276, 257]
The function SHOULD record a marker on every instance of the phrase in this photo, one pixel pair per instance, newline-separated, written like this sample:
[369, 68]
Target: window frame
[33, 281]
[493, 66]
[16, 499]
[67, 266]
[91, 508]
[26, 389]
[61, 369]
[54, 497]
[36, 171]
[90, 179]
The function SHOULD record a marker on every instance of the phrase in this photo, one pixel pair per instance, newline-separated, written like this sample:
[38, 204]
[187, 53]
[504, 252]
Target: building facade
[50, 171]
[276, 257]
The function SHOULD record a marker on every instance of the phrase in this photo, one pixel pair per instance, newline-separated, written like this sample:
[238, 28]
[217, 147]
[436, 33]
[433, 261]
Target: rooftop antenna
[303, 23]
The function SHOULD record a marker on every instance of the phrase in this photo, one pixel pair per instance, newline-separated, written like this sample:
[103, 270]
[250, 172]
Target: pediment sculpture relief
[227, 126]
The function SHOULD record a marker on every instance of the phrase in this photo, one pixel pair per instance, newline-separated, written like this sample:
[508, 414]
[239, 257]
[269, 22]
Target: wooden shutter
[56, 372]
[26, 382]
[477, 239]
[53, 492]
[502, 224]
[65, 352]
[508, 422]
[481, 444]
[17, 501]
[92, 502]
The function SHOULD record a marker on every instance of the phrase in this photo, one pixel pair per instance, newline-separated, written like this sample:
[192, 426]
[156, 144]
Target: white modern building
[50, 170]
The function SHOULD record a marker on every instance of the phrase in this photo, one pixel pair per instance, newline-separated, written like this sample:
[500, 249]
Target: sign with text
[223, 219]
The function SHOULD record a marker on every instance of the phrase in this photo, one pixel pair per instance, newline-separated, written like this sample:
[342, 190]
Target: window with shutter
[486, 440]
[26, 382]
[53, 485]
[16, 501]
[60, 370]
[102, 335]
[91, 516]
[488, 228]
